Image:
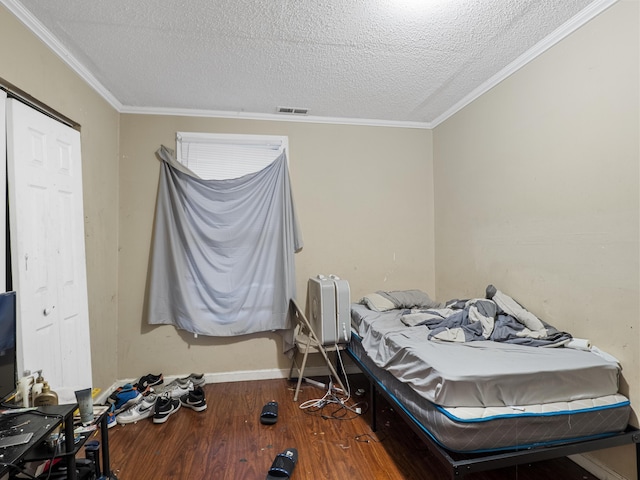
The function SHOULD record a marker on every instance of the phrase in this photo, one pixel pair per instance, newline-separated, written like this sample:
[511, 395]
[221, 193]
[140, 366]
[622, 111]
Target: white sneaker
[176, 389]
[144, 409]
[197, 379]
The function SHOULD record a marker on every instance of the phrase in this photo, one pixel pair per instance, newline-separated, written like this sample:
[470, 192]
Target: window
[224, 156]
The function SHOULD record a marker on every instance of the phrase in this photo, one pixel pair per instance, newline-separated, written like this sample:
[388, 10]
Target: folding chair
[306, 342]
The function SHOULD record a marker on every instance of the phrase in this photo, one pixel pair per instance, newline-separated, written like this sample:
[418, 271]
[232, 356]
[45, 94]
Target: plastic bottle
[36, 389]
[24, 388]
[47, 397]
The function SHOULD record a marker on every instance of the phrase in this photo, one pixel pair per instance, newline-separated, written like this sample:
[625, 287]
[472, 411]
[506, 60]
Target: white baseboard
[239, 376]
[596, 468]
[267, 374]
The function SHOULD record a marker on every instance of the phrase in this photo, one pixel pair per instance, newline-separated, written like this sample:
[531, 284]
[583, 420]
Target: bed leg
[373, 406]
[638, 460]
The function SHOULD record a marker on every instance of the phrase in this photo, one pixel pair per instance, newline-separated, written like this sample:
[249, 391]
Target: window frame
[245, 143]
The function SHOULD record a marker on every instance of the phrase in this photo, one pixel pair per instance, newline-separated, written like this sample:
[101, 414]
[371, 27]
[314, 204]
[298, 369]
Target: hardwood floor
[228, 442]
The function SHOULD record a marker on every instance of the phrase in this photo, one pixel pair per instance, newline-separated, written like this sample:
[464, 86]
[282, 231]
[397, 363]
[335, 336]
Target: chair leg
[293, 363]
[301, 374]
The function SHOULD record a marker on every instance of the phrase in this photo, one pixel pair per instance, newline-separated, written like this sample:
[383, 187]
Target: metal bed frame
[463, 464]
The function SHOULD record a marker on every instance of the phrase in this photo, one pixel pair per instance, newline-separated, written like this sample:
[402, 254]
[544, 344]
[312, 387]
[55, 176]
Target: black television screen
[8, 374]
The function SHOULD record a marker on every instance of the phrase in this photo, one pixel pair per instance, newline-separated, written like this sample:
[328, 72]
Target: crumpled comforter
[498, 318]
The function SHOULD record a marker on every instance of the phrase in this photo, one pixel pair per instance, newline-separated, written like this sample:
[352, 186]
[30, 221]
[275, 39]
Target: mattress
[484, 373]
[482, 429]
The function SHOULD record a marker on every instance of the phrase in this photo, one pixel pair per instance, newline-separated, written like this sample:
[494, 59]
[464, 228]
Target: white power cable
[330, 396]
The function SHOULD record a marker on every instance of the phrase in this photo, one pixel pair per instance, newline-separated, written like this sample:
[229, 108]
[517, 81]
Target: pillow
[411, 299]
[383, 301]
[377, 303]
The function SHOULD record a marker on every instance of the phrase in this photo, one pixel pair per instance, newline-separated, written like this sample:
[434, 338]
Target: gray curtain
[222, 259]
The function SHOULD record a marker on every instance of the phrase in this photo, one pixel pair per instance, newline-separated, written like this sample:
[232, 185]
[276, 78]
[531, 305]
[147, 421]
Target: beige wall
[29, 65]
[537, 192]
[364, 198]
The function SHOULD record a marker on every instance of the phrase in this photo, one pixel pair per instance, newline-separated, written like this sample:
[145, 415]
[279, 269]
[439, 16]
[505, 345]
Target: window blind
[224, 156]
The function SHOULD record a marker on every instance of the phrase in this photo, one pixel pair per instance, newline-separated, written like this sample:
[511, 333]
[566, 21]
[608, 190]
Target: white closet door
[47, 247]
[3, 192]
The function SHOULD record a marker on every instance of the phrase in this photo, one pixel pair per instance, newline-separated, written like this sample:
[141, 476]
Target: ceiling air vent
[293, 110]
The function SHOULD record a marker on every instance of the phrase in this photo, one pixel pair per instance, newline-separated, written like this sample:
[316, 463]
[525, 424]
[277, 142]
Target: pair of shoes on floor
[144, 409]
[284, 463]
[147, 381]
[192, 380]
[197, 379]
[123, 398]
[166, 405]
[181, 386]
[175, 389]
[194, 399]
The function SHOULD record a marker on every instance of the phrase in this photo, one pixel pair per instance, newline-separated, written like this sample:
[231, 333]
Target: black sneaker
[147, 381]
[194, 400]
[165, 407]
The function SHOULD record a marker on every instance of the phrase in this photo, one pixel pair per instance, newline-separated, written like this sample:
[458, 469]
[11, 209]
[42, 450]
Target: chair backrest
[302, 323]
[304, 335]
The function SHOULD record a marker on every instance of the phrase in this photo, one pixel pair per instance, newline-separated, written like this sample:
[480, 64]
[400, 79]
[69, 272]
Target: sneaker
[144, 409]
[196, 378]
[114, 396]
[148, 381]
[175, 389]
[194, 400]
[124, 397]
[165, 407]
[111, 416]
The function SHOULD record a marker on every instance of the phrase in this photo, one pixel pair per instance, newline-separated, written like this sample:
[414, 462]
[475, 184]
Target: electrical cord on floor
[331, 407]
[344, 412]
[319, 403]
[368, 438]
[338, 406]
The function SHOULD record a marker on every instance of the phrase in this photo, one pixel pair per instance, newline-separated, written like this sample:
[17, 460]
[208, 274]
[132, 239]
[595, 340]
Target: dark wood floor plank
[228, 442]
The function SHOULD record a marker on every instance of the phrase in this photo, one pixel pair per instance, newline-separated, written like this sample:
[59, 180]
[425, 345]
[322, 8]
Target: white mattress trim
[482, 414]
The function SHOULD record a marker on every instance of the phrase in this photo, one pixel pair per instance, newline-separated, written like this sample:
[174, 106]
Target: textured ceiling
[378, 60]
